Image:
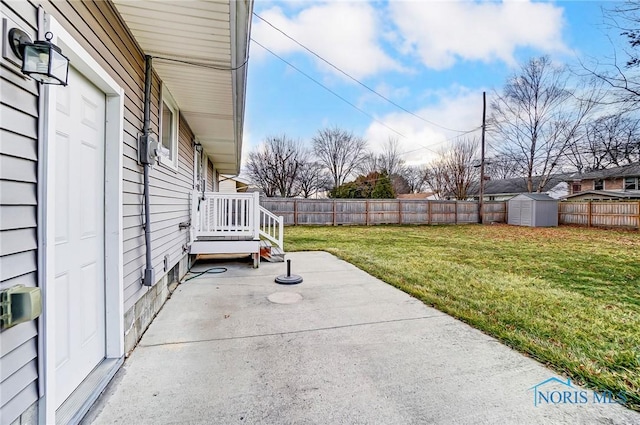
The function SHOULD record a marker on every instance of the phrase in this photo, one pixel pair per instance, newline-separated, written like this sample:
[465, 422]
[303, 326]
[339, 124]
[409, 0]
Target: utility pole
[484, 126]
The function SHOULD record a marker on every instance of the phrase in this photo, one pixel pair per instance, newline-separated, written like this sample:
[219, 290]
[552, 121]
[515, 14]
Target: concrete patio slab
[340, 348]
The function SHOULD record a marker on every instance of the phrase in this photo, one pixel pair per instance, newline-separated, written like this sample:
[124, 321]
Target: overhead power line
[429, 148]
[356, 80]
[360, 109]
[328, 89]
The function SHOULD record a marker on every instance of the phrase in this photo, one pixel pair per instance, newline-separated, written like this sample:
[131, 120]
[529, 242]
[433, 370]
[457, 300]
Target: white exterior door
[79, 232]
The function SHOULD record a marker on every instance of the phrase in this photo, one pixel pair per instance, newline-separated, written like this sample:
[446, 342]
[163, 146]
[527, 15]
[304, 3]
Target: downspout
[149, 275]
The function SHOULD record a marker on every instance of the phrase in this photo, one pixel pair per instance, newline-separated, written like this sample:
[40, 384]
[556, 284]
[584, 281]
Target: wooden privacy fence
[334, 212]
[600, 213]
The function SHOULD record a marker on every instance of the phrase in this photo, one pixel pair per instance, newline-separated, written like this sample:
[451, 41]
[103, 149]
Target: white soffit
[196, 31]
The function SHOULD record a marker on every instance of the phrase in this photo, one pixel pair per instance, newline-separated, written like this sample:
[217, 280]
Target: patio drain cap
[288, 279]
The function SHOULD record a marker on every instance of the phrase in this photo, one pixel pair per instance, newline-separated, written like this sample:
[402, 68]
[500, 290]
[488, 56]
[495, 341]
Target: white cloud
[458, 109]
[345, 34]
[396, 94]
[442, 32]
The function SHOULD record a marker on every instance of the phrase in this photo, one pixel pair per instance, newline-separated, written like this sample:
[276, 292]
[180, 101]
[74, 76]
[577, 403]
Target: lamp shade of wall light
[41, 60]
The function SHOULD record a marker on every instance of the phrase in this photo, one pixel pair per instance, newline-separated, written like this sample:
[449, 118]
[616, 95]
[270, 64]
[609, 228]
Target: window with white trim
[598, 184]
[576, 187]
[631, 183]
[169, 113]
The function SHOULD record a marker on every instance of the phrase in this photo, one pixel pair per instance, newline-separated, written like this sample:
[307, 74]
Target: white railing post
[281, 231]
[256, 215]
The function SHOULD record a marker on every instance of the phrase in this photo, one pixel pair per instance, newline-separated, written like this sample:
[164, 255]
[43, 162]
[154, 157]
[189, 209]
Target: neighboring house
[617, 179]
[505, 189]
[233, 184]
[605, 195]
[423, 196]
[72, 186]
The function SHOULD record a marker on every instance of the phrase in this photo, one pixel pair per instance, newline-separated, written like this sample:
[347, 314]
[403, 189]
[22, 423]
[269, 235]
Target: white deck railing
[271, 227]
[233, 215]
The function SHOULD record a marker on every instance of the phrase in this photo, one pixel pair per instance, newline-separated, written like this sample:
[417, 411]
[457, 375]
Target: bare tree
[625, 17]
[312, 179]
[537, 117]
[434, 177]
[415, 178]
[620, 75]
[370, 163]
[452, 172]
[275, 166]
[500, 167]
[390, 160]
[340, 151]
[609, 141]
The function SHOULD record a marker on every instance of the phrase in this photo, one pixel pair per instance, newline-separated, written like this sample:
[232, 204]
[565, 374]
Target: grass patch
[568, 297]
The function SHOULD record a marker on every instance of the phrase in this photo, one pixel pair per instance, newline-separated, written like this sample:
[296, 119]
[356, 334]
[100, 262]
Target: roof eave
[211, 100]
[240, 20]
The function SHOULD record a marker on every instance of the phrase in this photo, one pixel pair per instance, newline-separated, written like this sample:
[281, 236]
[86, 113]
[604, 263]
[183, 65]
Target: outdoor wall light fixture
[41, 60]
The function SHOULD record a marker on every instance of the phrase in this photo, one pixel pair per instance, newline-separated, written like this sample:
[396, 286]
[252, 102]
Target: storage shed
[533, 209]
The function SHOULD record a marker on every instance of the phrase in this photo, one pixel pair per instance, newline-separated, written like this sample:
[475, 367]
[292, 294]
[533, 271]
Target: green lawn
[568, 297]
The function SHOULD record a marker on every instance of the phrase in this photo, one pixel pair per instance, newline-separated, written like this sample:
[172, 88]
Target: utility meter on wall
[148, 149]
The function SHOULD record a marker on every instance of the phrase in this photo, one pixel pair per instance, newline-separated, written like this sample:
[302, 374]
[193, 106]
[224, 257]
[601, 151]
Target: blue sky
[434, 58]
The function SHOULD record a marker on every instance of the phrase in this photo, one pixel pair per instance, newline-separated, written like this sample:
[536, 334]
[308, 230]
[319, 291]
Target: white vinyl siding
[169, 191]
[18, 219]
[96, 27]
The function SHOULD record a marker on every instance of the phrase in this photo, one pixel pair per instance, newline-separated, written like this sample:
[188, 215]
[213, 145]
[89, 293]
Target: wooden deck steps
[271, 253]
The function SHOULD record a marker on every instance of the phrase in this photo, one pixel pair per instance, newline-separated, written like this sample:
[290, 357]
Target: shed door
[526, 213]
[79, 232]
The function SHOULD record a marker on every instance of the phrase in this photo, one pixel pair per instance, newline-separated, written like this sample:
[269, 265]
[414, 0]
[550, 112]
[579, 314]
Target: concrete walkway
[340, 348]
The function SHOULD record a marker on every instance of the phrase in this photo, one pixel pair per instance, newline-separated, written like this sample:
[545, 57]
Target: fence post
[560, 212]
[334, 212]
[399, 211]
[456, 211]
[428, 211]
[638, 217]
[366, 212]
[588, 213]
[295, 212]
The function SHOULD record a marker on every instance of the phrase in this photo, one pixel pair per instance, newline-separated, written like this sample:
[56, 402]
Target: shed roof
[535, 197]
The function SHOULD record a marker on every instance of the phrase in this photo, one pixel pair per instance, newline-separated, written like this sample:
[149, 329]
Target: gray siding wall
[18, 219]
[100, 30]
